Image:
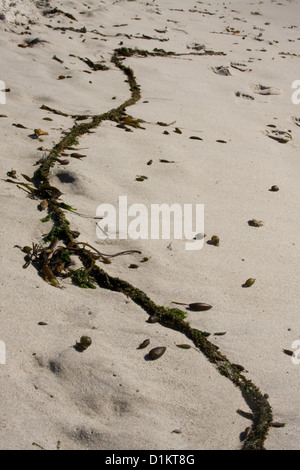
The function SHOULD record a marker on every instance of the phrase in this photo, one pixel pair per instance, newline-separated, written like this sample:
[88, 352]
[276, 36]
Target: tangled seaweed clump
[55, 261]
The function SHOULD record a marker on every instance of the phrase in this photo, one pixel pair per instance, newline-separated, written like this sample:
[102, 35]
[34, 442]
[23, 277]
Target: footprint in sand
[265, 90]
[221, 70]
[296, 121]
[283, 137]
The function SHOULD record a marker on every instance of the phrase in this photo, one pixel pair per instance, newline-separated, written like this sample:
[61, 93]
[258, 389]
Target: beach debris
[222, 70]
[221, 333]
[144, 344]
[48, 275]
[166, 161]
[141, 178]
[34, 42]
[195, 307]
[37, 445]
[274, 188]
[199, 307]
[26, 177]
[166, 133]
[194, 137]
[177, 130]
[215, 240]
[153, 319]
[243, 95]
[54, 111]
[85, 342]
[57, 59]
[265, 90]
[94, 65]
[43, 205]
[276, 424]
[42, 323]
[39, 132]
[20, 126]
[12, 174]
[241, 67]
[150, 162]
[183, 346]
[249, 282]
[288, 352]
[56, 11]
[176, 431]
[156, 353]
[27, 249]
[133, 266]
[220, 141]
[280, 136]
[255, 223]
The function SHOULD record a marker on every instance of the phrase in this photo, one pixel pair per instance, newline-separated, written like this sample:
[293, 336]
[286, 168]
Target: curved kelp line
[53, 262]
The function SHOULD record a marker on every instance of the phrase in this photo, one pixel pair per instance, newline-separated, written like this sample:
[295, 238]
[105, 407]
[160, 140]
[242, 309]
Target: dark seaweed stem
[49, 260]
[174, 318]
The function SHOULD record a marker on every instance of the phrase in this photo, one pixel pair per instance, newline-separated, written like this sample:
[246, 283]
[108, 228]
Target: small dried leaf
[156, 353]
[20, 126]
[183, 346]
[199, 307]
[39, 132]
[27, 178]
[255, 223]
[85, 342]
[153, 319]
[215, 240]
[249, 282]
[133, 266]
[144, 344]
[44, 205]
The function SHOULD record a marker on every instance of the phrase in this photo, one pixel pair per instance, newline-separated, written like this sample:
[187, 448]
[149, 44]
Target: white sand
[110, 397]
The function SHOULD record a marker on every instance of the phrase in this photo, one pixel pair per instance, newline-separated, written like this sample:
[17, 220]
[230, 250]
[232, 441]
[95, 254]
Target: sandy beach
[163, 102]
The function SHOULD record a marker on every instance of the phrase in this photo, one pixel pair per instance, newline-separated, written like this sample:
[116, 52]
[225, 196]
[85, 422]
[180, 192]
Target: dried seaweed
[54, 261]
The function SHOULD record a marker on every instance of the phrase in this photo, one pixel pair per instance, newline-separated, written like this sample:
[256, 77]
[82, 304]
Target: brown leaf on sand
[19, 126]
[39, 132]
[44, 205]
[288, 352]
